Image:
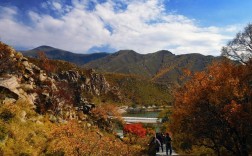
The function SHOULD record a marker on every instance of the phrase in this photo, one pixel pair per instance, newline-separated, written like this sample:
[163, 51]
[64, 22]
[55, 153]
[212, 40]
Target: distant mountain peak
[164, 52]
[45, 47]
[127, 52]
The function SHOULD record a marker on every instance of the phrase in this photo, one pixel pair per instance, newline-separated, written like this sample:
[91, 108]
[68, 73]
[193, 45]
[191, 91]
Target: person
[160, 137]
[154, 146]
[158, 144]
[168, 143]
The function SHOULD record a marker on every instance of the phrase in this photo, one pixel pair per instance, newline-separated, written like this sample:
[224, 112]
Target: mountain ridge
[59, 54]
[161, 66]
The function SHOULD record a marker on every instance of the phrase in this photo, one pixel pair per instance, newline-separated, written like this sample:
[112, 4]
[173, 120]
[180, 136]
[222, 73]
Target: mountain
[58, 54]
[130, 62]
[161, 66]
[41, 106]
[76, 82]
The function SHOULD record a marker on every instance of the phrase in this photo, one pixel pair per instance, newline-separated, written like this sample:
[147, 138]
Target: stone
[9, 101]
[87, 81]
[26, 77]
[27, 87]
[11, 84]
[24, 59]
[22, 116]
[29, 70]
[46, 94]
[89, 125]
[12, 55]
[26, 64]
[31, 79]
[31, 98]
[42, 77]
[34, 67]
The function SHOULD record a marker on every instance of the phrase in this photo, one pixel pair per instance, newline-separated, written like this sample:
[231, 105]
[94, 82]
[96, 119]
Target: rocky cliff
[65, 94]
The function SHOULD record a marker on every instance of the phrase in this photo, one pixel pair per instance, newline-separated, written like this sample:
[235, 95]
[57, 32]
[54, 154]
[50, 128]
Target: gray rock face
[11, 84]
[44, 92]
[9, 88]
[93, 83]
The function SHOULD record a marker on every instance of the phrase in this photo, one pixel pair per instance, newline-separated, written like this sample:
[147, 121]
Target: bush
[3, 132]
[6, 115]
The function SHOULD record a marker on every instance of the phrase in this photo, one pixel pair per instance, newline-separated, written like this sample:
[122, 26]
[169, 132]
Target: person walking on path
[154, 146]
[160, 137]
[168, 144]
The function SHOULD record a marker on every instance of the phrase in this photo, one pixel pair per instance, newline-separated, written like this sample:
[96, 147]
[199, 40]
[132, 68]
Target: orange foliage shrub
[76, 139]
[213, 110]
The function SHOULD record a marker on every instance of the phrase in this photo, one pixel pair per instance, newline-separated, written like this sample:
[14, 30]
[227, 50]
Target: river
[153, 114]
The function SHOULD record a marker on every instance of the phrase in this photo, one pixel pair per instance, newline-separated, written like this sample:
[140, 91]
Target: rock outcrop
[62, 94]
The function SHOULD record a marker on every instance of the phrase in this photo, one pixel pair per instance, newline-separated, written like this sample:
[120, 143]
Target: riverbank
[142, 109]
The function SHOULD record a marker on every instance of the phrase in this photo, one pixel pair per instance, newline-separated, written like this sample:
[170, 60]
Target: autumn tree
[240, 48]
[213, 110]
[106, 117]
[46, 64]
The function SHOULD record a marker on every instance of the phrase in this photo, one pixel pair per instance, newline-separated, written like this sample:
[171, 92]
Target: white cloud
[7, 13]
[142, 25]
[56, 5]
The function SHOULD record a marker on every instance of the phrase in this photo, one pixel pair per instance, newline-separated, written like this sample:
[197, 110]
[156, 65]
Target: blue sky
[85, 26]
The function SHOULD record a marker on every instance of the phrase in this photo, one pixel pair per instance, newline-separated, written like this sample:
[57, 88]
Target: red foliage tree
[135, 129]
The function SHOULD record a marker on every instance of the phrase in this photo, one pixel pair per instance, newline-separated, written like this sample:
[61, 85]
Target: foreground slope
[46, 109]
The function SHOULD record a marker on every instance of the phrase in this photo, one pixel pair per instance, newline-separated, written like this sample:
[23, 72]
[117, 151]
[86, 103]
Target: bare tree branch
[240, 48]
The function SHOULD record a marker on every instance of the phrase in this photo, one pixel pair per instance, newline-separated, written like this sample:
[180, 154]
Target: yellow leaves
[75, 139]
[27, 137]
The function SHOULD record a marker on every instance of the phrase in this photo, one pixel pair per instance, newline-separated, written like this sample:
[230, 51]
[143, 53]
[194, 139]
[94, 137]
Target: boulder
[26, 64]
[11, 84]
[42, 77]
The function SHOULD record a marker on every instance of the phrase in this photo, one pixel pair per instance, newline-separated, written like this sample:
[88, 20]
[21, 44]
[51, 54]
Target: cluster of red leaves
[136, 129]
